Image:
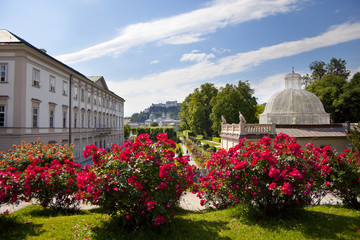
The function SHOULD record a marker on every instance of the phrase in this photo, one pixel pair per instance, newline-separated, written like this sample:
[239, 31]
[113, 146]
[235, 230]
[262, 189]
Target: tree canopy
[231, 100]
[201, 110]
[139, 117]
[196, 108]
[340, 97]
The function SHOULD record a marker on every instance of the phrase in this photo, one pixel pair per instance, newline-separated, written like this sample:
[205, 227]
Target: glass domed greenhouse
[293, 105]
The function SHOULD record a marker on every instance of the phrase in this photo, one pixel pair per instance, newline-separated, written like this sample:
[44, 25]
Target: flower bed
[198, 154]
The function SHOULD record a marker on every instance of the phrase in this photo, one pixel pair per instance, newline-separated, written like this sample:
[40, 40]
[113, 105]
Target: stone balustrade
[245, 128]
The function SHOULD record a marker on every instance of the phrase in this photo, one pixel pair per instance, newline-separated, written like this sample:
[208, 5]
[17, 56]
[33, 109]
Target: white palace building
[41, 97]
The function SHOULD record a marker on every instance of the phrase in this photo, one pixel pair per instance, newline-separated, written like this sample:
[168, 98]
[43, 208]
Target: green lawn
[217, 145]
[319, 222]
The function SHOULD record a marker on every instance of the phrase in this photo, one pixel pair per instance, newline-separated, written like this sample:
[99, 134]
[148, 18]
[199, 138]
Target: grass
[318, 222]
[217, 145]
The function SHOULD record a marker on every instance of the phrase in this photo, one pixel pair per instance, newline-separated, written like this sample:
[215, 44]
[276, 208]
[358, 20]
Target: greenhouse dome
[294, 105]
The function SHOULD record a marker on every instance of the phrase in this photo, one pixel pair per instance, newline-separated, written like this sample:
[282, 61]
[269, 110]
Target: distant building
[295, 112]
[163, 121]
[40, 97]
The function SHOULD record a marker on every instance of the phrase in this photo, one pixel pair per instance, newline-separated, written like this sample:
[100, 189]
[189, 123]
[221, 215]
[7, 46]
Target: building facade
[40, 97]
[334, 135]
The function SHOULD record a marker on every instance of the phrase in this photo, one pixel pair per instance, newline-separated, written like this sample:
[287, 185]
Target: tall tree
[318, 69]
[328, 89]
[348, 103]
[339, 97]
[196, 109]
[139, 117]
[184, 114]
[127, 130]
[231, 100]
[260, 108]
[337, 67]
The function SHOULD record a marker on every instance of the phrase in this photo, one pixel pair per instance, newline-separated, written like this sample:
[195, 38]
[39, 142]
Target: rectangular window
[36, 77]
[65, 88]
[82, 95]
[75, 92]
[94, 121]
[75, 119]
[64, 119]
[52, 84]
[51, 118]
[94, 99]
[35, 114]
[88, 120]
[2, 116]
[88, 96]
[3, 73]
[82, 120]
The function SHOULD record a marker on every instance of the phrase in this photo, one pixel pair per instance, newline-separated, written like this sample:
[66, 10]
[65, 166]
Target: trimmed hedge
[153, 131]
[188, 133]
[216, 139]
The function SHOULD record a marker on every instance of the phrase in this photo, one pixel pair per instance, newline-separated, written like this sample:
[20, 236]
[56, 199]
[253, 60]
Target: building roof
[313, 131]
[99, 80]
[7, 37]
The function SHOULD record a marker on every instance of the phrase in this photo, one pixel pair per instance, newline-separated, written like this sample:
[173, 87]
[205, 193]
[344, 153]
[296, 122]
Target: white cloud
[268, 87]
[353, 72]
[221, 50]
[184, 28]
[154, 62]
[194, 56]
[172, 81]
[182, 39]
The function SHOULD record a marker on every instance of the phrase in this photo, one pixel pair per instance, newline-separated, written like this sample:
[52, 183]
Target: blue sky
[161, 50]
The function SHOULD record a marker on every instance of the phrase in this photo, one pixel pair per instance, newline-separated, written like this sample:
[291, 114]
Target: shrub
[342, 175]
[268, 179]
[52, 186]
[206, 146]
[200, 137]
[213, 150]
[46, 173]
[9, 186]
[23, 155]
[143, 181]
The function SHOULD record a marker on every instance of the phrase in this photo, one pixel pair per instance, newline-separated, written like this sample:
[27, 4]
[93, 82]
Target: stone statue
[241, 118]
[223, 120]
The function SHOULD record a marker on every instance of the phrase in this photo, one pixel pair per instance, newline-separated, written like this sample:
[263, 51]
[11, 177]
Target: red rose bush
[44, 173]
[9, 186]
[267, 176]
[141, 181]
[341, 175]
